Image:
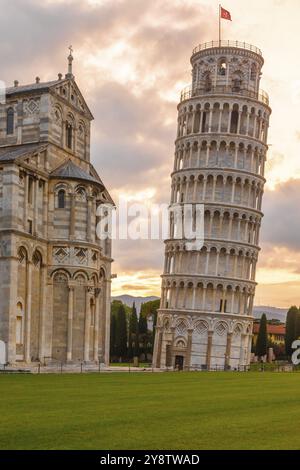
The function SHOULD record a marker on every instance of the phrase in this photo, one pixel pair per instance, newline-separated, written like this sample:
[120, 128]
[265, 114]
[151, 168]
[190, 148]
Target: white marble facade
[55, 274]
[205, 317]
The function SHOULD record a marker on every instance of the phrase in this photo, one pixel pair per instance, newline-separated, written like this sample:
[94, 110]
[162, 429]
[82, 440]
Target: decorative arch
[80, 276]
[22, 255]
[60, 275]
[10, 121]
[37, 259]
[81, 193]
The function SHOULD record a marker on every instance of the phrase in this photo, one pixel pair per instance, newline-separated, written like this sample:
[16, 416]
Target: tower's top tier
[227, 67]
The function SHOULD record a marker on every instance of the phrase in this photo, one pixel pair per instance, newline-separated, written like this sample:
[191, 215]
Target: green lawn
[150, 411]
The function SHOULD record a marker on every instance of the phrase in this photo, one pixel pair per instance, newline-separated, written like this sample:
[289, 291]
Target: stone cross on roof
[70, 61]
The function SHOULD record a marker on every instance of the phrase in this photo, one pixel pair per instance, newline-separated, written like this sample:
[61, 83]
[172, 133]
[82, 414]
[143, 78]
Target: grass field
[150, 411]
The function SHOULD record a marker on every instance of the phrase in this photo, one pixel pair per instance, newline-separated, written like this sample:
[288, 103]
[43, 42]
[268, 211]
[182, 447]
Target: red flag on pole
[225, 14]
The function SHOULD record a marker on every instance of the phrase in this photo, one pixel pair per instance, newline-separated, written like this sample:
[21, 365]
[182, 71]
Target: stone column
[229, 121]
[107, 306]
[220, 121]
[72, 217]
[248, 123]
[87, 324]
[230, 226]
[8, 306]
[207, 262]
[43, 305]
[28, 311]
[217, 263]
[185, 289]
[221, 226]
[210, 119]
[45, 209]
[172, 345]
[26, 185]
[36, 206]
[70, 322]
[204, 298]
[96, 326]
[194, 297]
[195, 190]
[207, 155]
[198, 262]
[158, 346]
[224, 297]
[255, 126]
[210, 224]
[214, 299]
[209, 348]
[198, 155]
[228, 350]
[189, 348]
[214, 188]
[233, 191]
[89, 219]
[94, 219]
[239, 122]
[201, 122]
[232, 301]
[235, 265]
[186, 190]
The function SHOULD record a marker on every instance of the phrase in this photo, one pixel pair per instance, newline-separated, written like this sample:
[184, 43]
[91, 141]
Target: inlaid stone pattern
[31, 107]
[205, 317]
[55, 274]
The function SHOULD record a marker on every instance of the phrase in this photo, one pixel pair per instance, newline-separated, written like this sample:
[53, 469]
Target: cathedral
[55, 274]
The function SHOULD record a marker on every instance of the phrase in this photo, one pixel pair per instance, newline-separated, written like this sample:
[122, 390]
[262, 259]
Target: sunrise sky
[131, 61]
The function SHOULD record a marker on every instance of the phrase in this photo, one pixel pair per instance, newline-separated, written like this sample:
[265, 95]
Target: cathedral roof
[51, 86]
[9, 154]
[69, 170]
[32, 87]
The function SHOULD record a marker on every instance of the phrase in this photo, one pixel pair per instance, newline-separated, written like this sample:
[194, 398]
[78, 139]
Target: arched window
[237, 82]
[222, 66]
[10, 121]
[19, 324]
[253, 73]
[69, 135]
[234, 121]
[61, 199]
[207, 81]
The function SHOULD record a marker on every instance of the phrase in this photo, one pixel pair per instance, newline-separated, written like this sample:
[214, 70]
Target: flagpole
[219, 25]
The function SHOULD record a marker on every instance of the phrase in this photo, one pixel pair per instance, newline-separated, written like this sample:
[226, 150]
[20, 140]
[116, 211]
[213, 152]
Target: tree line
[129, 333]
[292, 332]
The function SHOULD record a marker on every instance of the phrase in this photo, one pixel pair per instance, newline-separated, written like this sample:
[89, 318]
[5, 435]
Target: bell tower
[205, 318]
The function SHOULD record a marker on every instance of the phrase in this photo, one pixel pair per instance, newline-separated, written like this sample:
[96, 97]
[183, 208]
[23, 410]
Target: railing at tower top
[189, 92]
[237, 44]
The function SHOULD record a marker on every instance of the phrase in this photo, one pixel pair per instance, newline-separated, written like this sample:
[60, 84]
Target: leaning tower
[205, 316]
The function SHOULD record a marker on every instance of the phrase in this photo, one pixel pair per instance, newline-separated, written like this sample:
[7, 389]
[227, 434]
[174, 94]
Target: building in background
[275, 332]
[55, 275]
[205, 318]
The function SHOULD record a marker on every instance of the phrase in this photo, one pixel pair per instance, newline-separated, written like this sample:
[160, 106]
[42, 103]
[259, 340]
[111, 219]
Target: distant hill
[271, 312]
[129, 299]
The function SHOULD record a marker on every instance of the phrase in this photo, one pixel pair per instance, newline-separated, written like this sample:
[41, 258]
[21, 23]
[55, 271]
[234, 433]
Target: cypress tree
[143, 332]
[130, 338]
[262, 338]
[297, 328]
[133, 335]
[291, 327]
[121, 333]
[113, 324]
